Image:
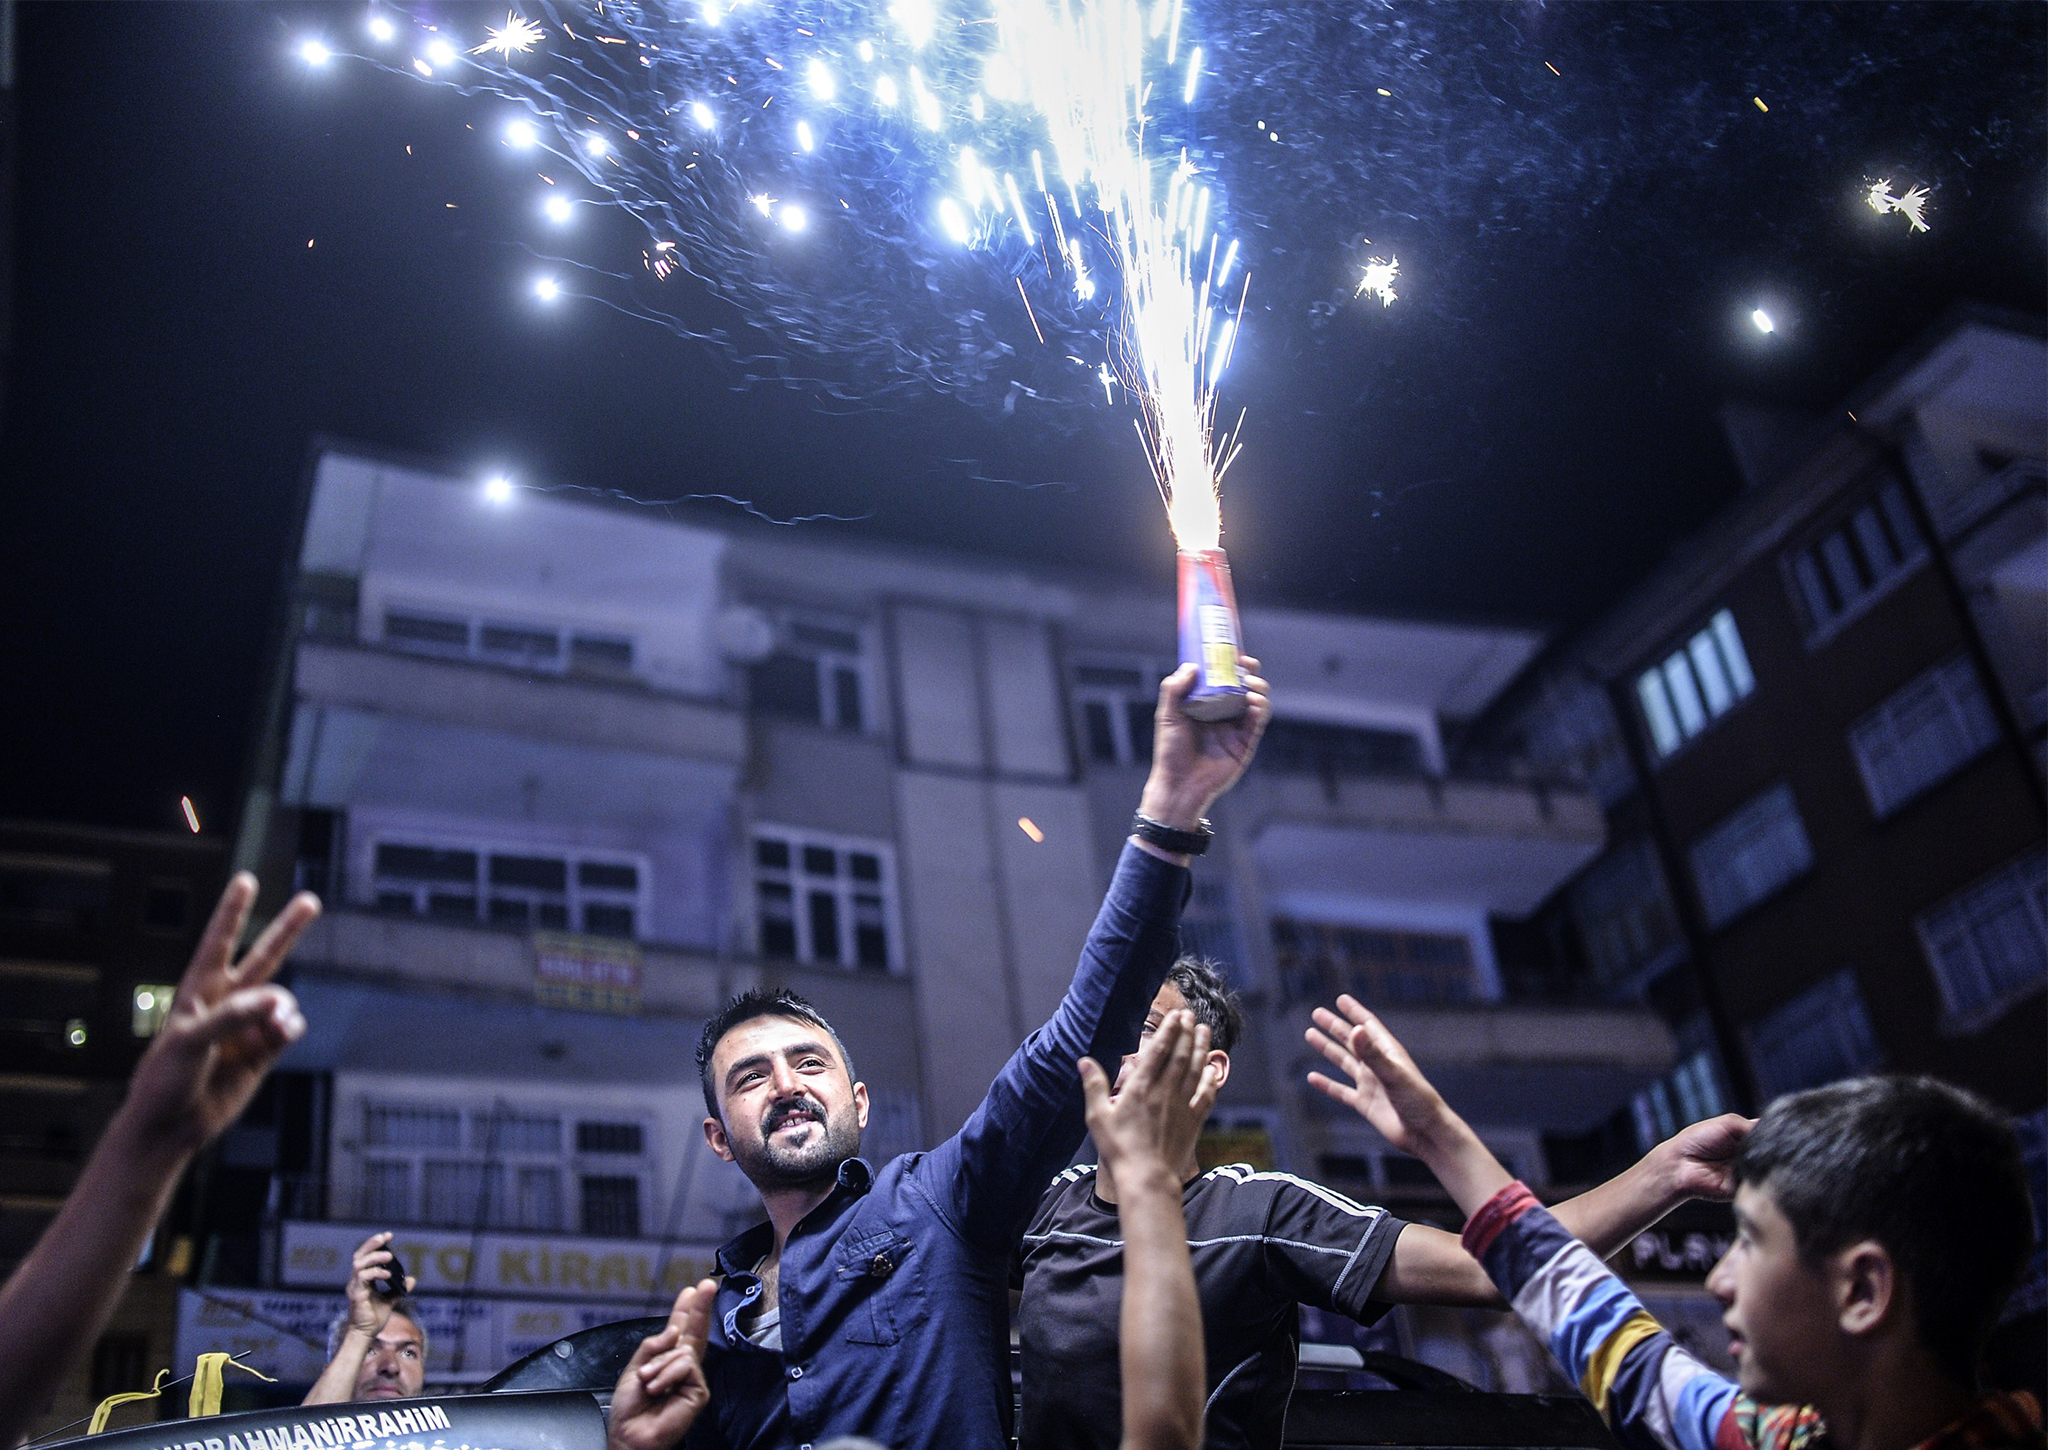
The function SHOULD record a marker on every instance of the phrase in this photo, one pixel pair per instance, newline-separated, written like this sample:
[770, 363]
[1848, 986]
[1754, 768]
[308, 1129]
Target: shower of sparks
[1377, 280]
[1912, 205]
[516, 36]
[1027, 144]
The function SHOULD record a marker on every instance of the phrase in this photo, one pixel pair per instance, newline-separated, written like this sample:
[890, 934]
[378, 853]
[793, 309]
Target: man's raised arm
[990, 1174]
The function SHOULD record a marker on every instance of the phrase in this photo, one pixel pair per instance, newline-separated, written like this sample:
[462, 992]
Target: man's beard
[770, 1164]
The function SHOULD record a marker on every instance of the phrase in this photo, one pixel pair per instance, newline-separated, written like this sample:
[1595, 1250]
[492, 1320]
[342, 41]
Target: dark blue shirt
[894, 1291]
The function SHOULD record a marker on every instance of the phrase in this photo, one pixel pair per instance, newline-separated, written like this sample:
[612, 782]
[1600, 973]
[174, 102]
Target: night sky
[1523, 434]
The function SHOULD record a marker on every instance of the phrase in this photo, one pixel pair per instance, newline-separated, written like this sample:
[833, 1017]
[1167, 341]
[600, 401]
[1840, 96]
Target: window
[1837, 574]
[608, 1138]
[147, 1006]
[1317, 960]
[1750, 855]
[1208, 928]
[526, 892]
[166, 905]
[824, 900]
[58, 893]
[1689, 1093]
[815, 674]
[1320, 748]
[1819, 1036]
[1623, 911]
[1695, 685]
[611, 1205]
[497, 1167]
[1922, 734]
[1988, 944]
[1117, 704]
[520, 644]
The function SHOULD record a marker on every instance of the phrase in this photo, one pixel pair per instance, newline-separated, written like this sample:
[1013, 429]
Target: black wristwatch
[1166, 838]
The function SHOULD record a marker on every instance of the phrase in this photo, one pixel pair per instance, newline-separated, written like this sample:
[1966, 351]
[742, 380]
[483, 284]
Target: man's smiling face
[791, 1111]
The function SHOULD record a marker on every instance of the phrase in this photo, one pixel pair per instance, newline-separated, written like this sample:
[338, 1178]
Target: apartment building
[1817, 733]
[568, 773]
[96, 926]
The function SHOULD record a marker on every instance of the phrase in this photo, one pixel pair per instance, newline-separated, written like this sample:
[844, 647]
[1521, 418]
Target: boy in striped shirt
[1880, 1225]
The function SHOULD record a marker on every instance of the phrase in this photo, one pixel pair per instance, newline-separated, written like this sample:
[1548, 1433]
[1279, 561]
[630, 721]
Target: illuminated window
[151, 1000]
[1820, 1036]
[1923, 734]
[1857, 560]
[1988, 944]
[1751, 855]
[1695, 685]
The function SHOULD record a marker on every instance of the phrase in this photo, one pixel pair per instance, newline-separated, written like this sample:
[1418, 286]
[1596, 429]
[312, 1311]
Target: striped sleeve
[1653, 1394]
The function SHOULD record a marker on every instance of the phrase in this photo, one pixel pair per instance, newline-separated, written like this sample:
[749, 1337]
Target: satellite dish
[745, 634]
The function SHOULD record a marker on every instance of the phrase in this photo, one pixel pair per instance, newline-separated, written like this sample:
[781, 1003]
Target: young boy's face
[1781, 1315]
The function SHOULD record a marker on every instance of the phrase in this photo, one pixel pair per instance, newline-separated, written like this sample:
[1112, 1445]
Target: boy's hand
[1194, 763]
[1699, 1161]
[1152, 1122]
[663, 1389]
[1389, 1091]
[225, 1028]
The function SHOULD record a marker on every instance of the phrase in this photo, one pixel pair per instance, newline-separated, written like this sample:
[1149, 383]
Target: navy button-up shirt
[895, 1290]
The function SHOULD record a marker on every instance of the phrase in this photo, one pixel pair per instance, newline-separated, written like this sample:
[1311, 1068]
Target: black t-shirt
[1262, 1244]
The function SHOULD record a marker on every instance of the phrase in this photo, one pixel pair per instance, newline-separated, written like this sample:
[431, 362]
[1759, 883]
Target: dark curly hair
[1209, 997]
[752, 1003]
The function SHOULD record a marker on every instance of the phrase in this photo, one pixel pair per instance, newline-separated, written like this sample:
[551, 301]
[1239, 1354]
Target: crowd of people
[1881, 1224]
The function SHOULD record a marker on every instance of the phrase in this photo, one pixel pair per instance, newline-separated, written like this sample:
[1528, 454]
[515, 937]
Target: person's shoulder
[1242, 1183]
[1069, 1192]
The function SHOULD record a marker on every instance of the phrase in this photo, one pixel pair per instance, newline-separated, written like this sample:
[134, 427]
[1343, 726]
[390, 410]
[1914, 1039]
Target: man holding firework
[874, 1300]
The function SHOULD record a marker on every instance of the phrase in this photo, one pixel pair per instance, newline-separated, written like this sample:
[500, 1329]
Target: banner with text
[634, 1273]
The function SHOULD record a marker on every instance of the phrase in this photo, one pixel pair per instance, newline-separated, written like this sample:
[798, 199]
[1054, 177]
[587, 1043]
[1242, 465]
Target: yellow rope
[106, 1406]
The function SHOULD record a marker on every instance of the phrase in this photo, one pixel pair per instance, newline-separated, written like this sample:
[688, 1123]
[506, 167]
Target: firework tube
[1209, 636]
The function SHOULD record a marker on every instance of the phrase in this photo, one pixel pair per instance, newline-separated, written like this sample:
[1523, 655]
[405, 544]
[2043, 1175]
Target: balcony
[1487, 841]
[576, 710]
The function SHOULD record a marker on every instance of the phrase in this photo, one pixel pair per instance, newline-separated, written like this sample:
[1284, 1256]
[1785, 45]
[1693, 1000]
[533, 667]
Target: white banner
[641, 1275]
[285, 1334]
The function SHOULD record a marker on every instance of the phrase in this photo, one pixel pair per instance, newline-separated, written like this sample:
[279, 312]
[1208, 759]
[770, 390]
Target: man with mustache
[875, 1299]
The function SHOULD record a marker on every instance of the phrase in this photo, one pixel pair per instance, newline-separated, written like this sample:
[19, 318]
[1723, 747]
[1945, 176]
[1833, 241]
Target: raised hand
[1699, 1161]
[1386, 1088]
[1194, 763]
[225, 1028]
[664, 1389]
[1153, 1121]
[369, 1311]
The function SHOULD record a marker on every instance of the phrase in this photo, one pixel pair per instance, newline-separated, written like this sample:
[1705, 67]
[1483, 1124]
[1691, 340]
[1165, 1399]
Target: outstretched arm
[990, 1174]
[1142, 1133]
[225, 1028]
[1626, 1363]
[1429, 1266]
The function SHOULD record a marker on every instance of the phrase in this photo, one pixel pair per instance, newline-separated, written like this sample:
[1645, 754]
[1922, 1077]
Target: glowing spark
[559, 209]
[1760, 103]
[1023, 221]
[1553, 70]
[866, 50]
[710, 13]
[380, 28]
[547, 289]
[954, 220]
[596, 145]
[1912, 205]
[821, 82]
[516, 36]
[794, 218]
[704, 116]
[763, 203]
[917, 19]
[1763, 322]
[1187, 96]
[1378, 279]
[422, 67]
[1383, 90]
[191, 820]
[885, 91]
[314, 53]
[441, 53]
[498, 490]
[1027, 309]
[521, 135]
[1030, 828]
[804, 139]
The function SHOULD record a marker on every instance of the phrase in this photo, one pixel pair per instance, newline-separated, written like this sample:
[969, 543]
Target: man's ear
[714, 1135]
[860, 1103]
[1219, 1066]
[1867, 1287]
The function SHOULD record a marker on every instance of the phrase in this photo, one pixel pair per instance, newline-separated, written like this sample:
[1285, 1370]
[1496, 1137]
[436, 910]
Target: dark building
[1817, 731]
[96, 927]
